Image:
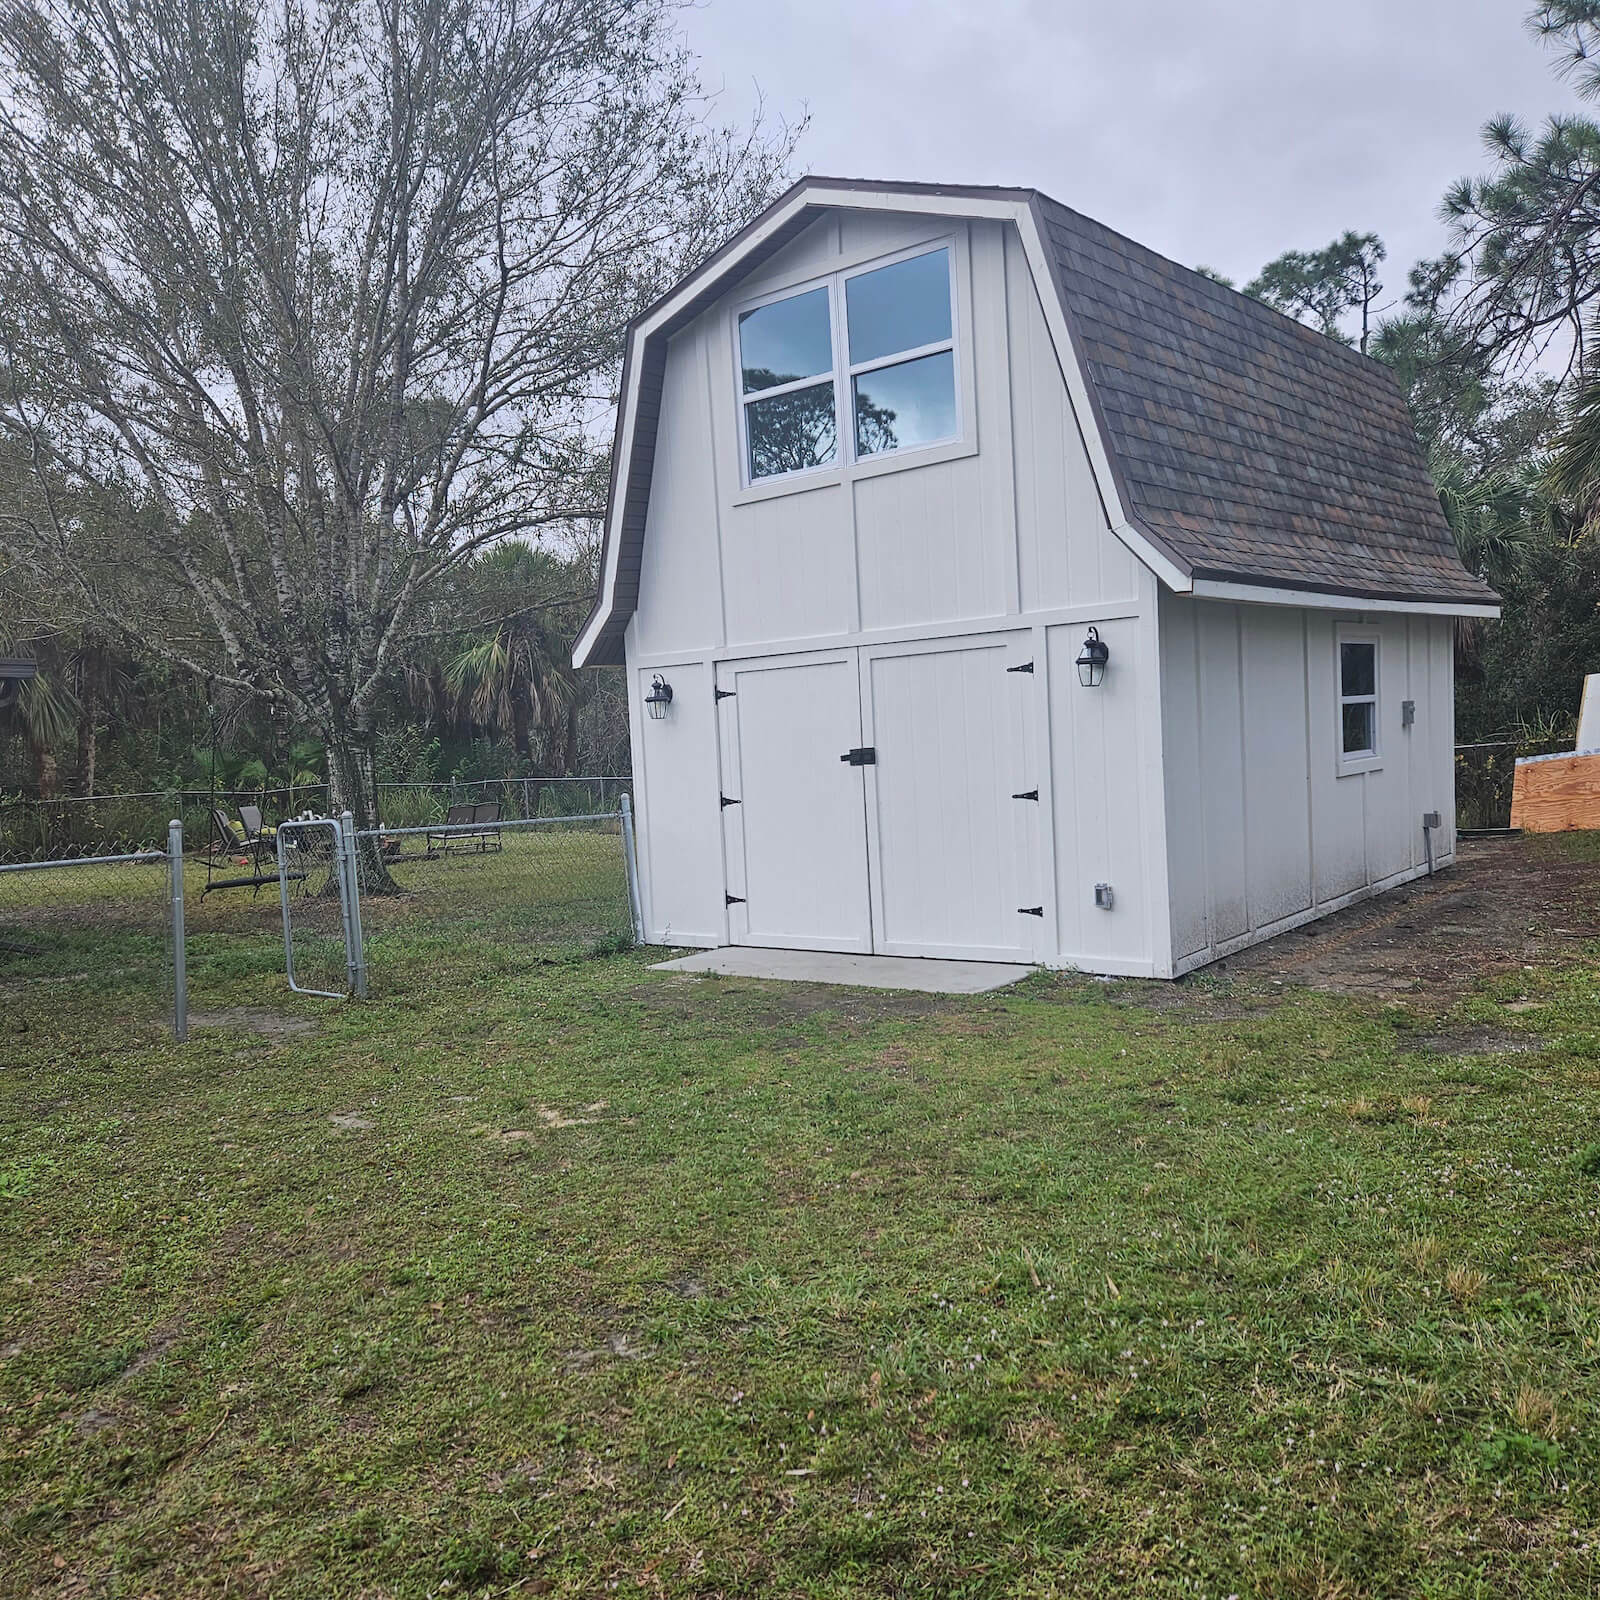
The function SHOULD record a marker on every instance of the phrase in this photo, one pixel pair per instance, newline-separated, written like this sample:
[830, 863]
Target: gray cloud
[1220, 132]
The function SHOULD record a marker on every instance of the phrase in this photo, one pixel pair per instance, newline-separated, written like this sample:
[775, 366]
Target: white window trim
[1368, 760]
[846, 463]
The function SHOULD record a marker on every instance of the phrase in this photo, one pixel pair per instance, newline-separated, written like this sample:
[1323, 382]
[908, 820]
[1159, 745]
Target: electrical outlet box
[1103, 896]
[1431, 819]
[1408, 713]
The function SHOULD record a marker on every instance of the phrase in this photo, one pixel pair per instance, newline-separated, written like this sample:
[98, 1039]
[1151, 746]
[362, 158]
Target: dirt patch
[1507, 903]
[551, 1120]
[160, 1344]
[254, 1019]
[353, 1121]
[618, 1347]
[1477, 1041]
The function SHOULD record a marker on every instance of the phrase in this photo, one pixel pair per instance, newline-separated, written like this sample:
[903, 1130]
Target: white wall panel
[1220, 792]
[1277, 812]
[679, 820]
[789, 567]
[1098, 816]
[1263, 830]
[926, 550]
[679, 601]
[1187, 873]
[1067, 553]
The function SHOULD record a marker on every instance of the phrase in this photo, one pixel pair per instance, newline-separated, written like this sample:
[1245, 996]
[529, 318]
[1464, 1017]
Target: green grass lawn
[541, 1273]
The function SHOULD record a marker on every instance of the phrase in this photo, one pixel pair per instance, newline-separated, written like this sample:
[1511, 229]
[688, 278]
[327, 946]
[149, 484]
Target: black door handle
[862, 756]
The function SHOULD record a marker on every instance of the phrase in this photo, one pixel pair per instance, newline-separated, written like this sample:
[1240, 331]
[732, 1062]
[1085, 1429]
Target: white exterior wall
[1264, 829]
[1000, 532]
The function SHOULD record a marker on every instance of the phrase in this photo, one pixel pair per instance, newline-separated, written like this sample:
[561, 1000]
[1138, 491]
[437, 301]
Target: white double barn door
[883, 799]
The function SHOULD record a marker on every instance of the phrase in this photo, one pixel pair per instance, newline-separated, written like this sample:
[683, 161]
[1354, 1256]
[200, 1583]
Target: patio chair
[458, 816]
[486, 824]
[250, 843]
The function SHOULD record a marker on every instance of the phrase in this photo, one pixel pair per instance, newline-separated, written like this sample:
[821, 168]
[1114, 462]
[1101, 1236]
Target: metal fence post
[180, 969]
[355, 943]
[630, 857]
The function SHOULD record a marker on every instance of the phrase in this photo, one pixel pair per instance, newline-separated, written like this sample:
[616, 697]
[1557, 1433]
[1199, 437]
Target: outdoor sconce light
[659, 700]
[1092, 660]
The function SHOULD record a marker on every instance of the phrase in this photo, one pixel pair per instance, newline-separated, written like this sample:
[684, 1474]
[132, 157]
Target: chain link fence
[119, 939]
[97, 941]
[528, 887]
[65, 827]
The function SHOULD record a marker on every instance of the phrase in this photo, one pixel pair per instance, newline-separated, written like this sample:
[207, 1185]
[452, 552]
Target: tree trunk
[353, 787]
[569, 753]
[88, 731]
[44, 769]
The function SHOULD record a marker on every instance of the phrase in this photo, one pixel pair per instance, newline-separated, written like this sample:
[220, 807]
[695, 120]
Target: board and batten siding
[1004, 531]
[1263, 829]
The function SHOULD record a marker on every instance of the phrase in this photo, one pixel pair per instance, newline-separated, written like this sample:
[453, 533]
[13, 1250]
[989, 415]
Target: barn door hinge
[734, 899]
[1030, 911]
[723, 694]
[1025, 666]
[1027, 794]
[728, 800]
[862, 756]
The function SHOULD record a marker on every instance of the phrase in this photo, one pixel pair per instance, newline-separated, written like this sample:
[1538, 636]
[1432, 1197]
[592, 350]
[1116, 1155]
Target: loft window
[1358, 698]
[815, 394]
[790, 419]
[902, 354]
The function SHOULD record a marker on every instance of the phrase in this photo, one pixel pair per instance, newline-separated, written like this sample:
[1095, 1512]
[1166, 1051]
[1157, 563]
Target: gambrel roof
[1239, 453]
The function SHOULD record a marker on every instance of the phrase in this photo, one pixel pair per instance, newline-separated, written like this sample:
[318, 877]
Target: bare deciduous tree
[302, 303]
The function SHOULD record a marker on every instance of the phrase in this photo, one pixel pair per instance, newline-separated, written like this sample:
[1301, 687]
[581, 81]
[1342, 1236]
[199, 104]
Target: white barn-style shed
[888, 467]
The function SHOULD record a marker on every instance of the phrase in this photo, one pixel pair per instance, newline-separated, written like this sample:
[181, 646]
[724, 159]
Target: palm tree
[514, 673]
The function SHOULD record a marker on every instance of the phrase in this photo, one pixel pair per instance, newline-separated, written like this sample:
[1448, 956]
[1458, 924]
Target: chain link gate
[321, 912]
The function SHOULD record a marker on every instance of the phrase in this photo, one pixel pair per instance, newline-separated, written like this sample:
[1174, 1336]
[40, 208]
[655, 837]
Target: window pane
[1358, 669]
[902, 307]
[787, 340]
[1358, 728]
[912, 403]
[791, 432]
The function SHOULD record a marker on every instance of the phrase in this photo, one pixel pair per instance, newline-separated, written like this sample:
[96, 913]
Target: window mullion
[899, 356]
[844, 399]
[812, 382]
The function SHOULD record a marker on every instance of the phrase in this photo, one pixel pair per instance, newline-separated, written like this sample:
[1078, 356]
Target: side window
[1358, 698]
[902, 354]
[790, 418]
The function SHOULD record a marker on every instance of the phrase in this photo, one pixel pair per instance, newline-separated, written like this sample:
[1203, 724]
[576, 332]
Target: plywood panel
[1553, 794]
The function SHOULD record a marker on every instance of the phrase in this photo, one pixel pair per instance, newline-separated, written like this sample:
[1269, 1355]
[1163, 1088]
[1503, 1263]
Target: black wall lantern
[659, 700]
[1092, 660]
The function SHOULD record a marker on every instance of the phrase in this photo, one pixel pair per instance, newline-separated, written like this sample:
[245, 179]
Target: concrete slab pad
[862, 972]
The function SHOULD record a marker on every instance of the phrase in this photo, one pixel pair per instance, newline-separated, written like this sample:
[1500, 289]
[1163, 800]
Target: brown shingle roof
[1252, 449]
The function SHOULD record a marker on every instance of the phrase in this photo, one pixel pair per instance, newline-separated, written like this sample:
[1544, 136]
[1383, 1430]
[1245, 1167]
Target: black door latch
[865, 755]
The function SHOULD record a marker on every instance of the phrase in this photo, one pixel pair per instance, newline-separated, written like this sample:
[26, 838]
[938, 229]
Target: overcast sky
[1215, 131]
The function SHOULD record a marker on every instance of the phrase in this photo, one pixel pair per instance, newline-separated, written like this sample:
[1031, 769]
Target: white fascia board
[1263, 595]
[857, 199]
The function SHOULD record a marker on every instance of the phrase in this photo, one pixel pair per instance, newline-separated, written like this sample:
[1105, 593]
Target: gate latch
[865, 755]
